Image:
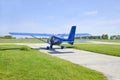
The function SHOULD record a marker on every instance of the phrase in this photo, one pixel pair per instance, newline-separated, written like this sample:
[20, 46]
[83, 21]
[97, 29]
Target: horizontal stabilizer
[82, 34]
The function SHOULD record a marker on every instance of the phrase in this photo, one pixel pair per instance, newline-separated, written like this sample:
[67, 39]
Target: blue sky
[57, 16]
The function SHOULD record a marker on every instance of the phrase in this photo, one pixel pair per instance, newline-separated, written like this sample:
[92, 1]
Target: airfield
[108, 65]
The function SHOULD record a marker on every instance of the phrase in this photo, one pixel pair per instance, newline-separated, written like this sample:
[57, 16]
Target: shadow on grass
[10, 49]
[22, 48]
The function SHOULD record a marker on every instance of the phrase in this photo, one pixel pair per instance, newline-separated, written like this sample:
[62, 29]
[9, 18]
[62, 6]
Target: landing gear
[62, 47]
[50, 47]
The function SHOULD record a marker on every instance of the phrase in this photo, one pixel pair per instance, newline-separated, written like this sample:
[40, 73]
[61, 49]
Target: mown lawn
[23, 63]
[108, 49]
[108, 40]
[21, 40]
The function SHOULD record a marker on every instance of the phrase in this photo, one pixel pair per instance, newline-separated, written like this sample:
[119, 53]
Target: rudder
[72, 35]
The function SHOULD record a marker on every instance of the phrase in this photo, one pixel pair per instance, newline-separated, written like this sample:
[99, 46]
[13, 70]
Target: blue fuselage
[53, 40]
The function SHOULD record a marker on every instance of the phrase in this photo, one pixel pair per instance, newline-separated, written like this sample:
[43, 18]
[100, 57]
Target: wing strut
[39, 39]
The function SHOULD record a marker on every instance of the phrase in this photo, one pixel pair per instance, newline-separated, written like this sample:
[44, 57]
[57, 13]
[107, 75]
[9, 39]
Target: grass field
[108, 49]
[108, 40]
[21, 40]
[23, 63]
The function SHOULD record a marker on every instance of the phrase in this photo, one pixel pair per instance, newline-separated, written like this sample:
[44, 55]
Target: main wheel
[62, 47]
[48, 47]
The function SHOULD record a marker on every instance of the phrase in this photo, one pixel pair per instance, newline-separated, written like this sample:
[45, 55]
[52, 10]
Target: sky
[95, 17]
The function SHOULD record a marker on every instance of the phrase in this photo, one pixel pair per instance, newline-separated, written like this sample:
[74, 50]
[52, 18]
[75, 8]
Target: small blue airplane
[54, 39]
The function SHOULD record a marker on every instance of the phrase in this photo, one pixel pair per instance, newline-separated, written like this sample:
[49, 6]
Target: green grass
[108, 49]
[118, 41]
[24, 63]
[21, 40]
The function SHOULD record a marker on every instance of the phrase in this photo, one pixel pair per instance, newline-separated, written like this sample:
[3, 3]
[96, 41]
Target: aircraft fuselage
[53, 40]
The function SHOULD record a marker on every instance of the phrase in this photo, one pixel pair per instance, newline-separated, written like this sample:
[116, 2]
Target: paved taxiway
[108, 65]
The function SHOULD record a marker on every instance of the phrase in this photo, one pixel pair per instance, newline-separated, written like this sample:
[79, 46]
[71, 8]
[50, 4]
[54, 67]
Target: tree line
[7, 37]
[103, 37]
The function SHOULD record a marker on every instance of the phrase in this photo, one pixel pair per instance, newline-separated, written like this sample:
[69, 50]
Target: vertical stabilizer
[72, 35]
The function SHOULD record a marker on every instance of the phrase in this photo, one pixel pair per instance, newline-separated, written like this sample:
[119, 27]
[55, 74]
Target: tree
[8, 37]
[115, 37]
[104, 36]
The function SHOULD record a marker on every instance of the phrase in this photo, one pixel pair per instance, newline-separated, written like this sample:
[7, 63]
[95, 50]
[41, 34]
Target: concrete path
[108, 65]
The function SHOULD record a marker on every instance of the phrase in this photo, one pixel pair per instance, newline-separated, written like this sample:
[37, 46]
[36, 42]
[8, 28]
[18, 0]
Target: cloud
[91, 12]
[99, 26]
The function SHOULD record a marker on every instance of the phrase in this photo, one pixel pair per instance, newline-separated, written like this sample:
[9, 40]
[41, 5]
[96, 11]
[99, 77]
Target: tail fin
[72, 35]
